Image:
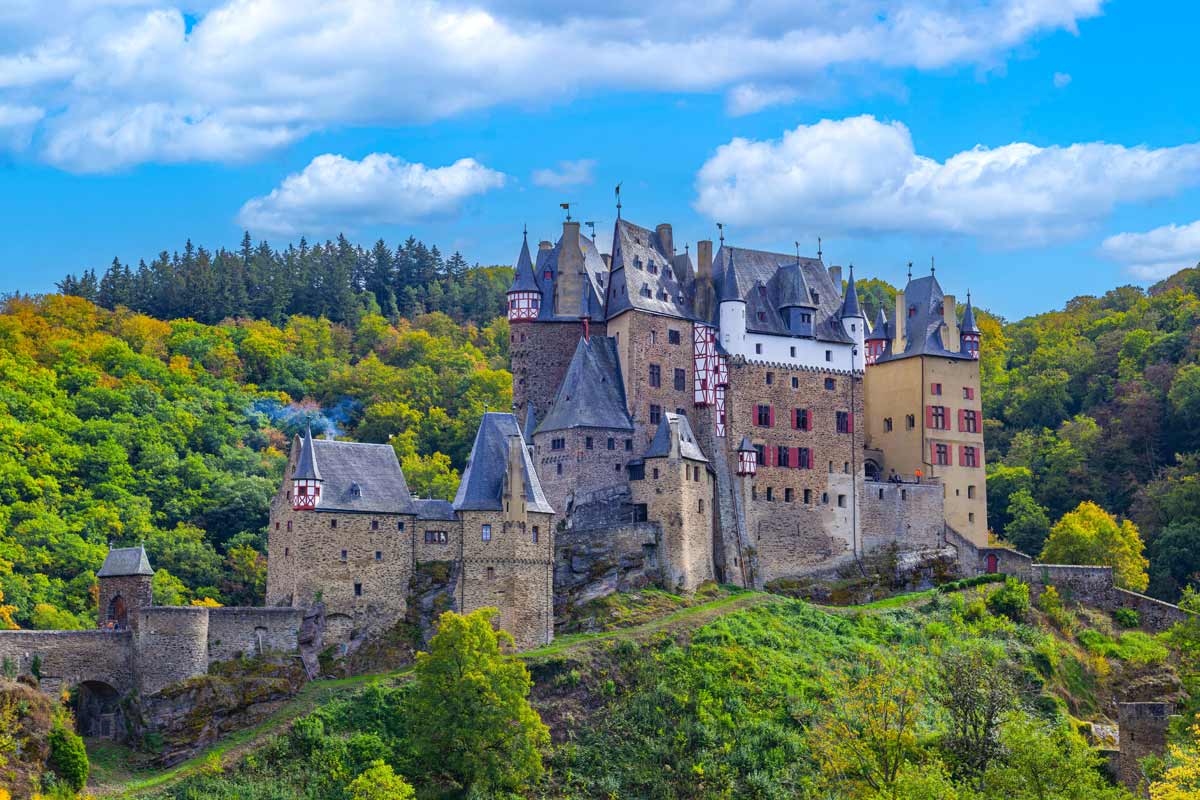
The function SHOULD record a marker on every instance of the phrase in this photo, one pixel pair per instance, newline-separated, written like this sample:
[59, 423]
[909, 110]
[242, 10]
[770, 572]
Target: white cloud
[1155, 254]
[1062, 80]
[749, 98]
[568, 173]
[129, 79]
[861, 174]
[334, 192]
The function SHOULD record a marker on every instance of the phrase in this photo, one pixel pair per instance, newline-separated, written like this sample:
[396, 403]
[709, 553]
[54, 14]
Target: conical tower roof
[879, 328]
[524, 279]
[306, 465]
[745, 446]
[729, 286]
[850, 307]
[968, 321]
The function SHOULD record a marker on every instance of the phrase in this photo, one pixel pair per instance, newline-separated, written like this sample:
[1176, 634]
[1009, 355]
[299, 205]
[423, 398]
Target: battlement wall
[67, 658]
[247, 632]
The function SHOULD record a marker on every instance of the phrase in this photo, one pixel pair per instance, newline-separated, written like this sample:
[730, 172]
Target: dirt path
[113, 781]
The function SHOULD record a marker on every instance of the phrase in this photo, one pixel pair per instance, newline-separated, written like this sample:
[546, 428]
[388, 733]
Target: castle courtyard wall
[67, 658]
[247, 632]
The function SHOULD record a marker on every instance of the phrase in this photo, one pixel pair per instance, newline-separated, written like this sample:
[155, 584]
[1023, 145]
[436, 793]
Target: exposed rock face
[431, 592]
[597, 562]
[186, 716]
[32, 712]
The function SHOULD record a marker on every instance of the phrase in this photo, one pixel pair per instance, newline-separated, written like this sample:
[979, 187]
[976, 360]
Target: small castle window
[971, 492]
[935, 388]
[770, 378]
[656, 473]
[558, 444]
[617, 467]
[792, 352]
[843, 421]
[399, 526]
[808, 496]
[770, 495]
[846, 467]
[653, 337]
[829, 355]
[655, 414]
[912, 311]
[344, 555]
[358, 590]
[655, 376]
[276, 526]
[289, 526]
[971, 517]
[672, 336]
[287, 551]
[795, 383]
[535, 534]
[486, 532]
[611, 443]
[887, 424]
[753, 493]
[700, 505]
[762, 316]
[904, 494]
[824, 498]
[379, 555]
[789, 495]
[910, 422]
[830, 384]
[355, 490]
[841, 501]
[629, 444]
[333, 523]
[816, 298]
[758, 349]
[588, 443]
[680, 380]
[558, 469]
[491, 573]
[374, 524]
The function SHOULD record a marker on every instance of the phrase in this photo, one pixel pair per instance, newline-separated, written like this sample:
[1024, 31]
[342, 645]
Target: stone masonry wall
[540, 353]
[908, 515]
[247, 632]
[678, 494]
[576, 468]
[596, 562]
[67, 658]
[644, 339]
[1094, 586]
[171, 645]
[1143, 732]
[136, 590]
[601, 508]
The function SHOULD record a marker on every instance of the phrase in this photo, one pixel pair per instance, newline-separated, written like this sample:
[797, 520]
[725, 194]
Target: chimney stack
[545, 245]
[835, 275]
[514, 506]
[704, 259]
[607, 258]
[950, 317]
[899, 324]
[666, 238]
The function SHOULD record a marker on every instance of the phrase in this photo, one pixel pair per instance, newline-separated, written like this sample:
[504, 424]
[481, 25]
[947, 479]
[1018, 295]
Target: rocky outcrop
[599, 561]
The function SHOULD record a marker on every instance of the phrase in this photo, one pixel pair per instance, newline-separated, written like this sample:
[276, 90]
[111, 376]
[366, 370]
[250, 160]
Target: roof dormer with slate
[674, 439]
[355, 477]
[920, 327]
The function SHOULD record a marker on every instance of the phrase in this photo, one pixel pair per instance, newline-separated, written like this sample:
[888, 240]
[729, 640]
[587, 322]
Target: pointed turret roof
[306, 465]
[530, 422]
[524, 278]
[124, 561]
[924, 323]
[850, 307]
[592, 394]
[729, 287]
[879, 328]
[745, 446]
[674, 427]
[968, 321]
[483, 479]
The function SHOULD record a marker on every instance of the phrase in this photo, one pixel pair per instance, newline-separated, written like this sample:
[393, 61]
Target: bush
[1127, 617]
[1050, 602]
[967, 583]
[68, 757]
[1010, 600]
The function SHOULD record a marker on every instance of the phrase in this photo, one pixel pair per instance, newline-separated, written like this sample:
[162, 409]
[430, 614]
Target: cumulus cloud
[334, 192]
[1155, 254]
[748, 98]
[864, 175]
[130, 79]
[567, 173]
[1062, 80]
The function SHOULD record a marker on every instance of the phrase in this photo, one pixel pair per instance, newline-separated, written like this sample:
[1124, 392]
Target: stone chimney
[899, 324]
[950, 316]
[666, 238]
[545, 244]
[514, 496]
[835, 275]
[705, 292]
[568, 285]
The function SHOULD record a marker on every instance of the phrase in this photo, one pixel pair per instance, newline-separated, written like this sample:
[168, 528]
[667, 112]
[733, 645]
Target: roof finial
[721, 228]
[910, 271]
[932, 266]
[818, 248]
[592, 225]
[797, 252]
[525, 231]
[617, 191]
[566, 206]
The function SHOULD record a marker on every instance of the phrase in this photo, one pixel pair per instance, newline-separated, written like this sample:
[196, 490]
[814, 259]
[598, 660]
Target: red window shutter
[771, 417]
[962, 419]
[928, 416]
[932, 453]
[796, 458]
[808, 420]
[850, 421]
[962, 455]
[795, 418]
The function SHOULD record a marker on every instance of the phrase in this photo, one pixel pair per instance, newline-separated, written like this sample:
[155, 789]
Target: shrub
[1127, 617]
[1010, 600]
[68, 757]
[967, 583]
[1050, 602]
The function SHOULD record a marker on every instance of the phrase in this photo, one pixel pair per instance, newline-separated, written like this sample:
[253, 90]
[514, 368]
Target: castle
[736, 418]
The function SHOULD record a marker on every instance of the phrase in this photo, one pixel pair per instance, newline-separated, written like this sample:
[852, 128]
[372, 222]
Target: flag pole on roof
[617, 191]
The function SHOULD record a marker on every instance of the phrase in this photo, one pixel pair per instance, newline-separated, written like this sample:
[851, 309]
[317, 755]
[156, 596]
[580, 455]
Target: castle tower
[125, 587]
[507, 536]
[969, 333]
[795, 300]
[306, 480]
[854, 323]
[524, 295]
[677, 488]
[747, 458]
[732, 309]
[877, 339]
[923, 397]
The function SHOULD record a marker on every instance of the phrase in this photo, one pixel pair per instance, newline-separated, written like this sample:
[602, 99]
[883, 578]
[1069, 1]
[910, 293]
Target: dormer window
[816, 297]
[912, 311]
[653, 268]
[762, 316]
[646, 291]
[637, 262]
[355, 490]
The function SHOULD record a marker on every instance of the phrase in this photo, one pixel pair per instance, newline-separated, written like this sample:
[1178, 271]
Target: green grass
[1134, 647]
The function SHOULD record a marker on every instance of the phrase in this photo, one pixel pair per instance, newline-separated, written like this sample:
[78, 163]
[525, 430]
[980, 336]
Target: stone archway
[872, 470]
[98, 711]
[118, 613]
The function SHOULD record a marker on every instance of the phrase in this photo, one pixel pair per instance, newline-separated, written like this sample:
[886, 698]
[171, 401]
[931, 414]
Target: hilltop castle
[736, 418]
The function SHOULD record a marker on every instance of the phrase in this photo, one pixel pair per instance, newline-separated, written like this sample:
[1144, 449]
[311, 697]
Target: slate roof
[879, 328]
[360, 477]
[597, 271]
[745, 446]
[759, 278]
[483, 479]
[530, 422]
[524, 279]
[124, 561]
[306, 465]
[592, 394]
[923, 330]
[850, 306]
[645, 276]
[677, 426]
[968, 321]
[434, 509]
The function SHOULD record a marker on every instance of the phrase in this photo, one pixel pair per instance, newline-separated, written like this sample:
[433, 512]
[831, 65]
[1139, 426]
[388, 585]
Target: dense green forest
[163, 414]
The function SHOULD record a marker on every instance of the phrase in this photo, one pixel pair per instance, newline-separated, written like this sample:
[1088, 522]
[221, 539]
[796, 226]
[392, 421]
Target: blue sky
[127, 127]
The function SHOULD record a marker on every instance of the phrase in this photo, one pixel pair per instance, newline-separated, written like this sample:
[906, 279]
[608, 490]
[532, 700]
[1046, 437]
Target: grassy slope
[715, 697]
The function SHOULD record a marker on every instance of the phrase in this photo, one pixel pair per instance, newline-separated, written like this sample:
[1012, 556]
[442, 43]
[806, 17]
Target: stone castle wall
[170, 645]
[540, 353]
[678, 495]
[136, 590]
[909, 515]
[576, 468]
[248, 632]
[67, 658]
[1143, 732]
[645, 339]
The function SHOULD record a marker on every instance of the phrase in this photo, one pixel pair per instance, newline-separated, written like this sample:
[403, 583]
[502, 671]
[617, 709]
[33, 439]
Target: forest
[156, 405]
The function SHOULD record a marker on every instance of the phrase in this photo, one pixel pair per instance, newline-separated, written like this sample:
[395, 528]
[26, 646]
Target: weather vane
[592, 225]
[721, 228]
[819, 253]
[567, 208]
[617, 191]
